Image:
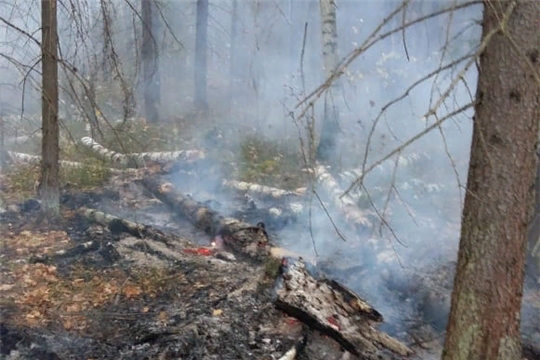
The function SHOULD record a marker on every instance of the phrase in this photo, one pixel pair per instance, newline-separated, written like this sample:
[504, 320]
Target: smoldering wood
[135, 160]
[262, 191]
[116, 225]
[241, 237]
[334, 310]
[346, 204]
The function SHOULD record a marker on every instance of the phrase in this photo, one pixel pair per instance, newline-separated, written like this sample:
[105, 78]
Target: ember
[199, 251]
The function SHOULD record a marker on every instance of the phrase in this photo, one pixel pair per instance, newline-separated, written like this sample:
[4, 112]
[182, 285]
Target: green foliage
[21, 180]
[90, 174]
[271, 267]
[270, 163]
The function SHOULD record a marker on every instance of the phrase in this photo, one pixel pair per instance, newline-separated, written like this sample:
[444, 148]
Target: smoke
[420, 201]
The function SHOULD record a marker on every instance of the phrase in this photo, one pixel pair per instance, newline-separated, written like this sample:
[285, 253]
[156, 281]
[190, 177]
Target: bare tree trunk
[201, 45]
[49, 185]
[233, 58]
[327, 143]
[150, 62]
[484, 319]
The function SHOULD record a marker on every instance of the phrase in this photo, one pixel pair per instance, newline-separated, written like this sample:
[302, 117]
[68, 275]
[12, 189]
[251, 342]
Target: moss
[271, 267]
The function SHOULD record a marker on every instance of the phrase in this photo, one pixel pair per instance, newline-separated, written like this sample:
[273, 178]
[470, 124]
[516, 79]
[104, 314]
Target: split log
[261, 191]
[241, 237]
[334, 310]
[346, 204]
[139, 159]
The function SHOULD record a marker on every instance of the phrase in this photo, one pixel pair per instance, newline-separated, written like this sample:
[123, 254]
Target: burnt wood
[119, 225]
[243, 238]
[336, 311]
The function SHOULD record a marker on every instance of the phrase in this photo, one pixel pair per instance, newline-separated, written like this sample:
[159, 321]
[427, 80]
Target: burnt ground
[134, 298]
[129, 301]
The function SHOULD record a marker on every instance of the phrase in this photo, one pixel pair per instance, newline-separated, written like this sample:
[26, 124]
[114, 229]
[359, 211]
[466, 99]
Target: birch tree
[488, 288]
[327, 143]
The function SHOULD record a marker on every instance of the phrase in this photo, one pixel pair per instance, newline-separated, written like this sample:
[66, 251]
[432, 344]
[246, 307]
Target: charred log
[119, 225]
[334, 310]
[241, 237]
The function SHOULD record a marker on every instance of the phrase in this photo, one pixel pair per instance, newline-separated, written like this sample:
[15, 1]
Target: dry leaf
[132, 291]
[217, 312]
[6, 287]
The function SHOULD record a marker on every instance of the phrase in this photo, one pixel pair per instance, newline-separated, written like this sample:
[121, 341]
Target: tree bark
[484, 320]
[49, 185]
[201, 45]
[150, 62]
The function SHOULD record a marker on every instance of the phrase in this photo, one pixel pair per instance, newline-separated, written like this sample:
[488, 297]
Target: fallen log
[346, 204]
[241, 237]
[17, 157]
[324, 304]
[136, 160]
[334, 310]
[118, 225]
[115, 225]
[261, 191]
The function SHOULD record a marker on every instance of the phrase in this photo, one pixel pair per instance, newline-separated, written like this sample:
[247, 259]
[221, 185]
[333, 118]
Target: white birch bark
[17, 157]
[139, 159]
[346, 204]
[261, 191]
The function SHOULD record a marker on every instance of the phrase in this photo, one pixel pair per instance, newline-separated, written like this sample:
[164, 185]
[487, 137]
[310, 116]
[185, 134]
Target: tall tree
[233, 55]
[201, 45]
[327, 142]
[484, 319]
[49, 184]
[150, 62]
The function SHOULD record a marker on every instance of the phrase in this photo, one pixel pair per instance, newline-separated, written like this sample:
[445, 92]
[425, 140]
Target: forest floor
[79, 290]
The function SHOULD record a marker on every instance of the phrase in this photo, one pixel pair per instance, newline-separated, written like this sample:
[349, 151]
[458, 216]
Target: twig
[340, 234]
[403, 146]
[369, 43]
